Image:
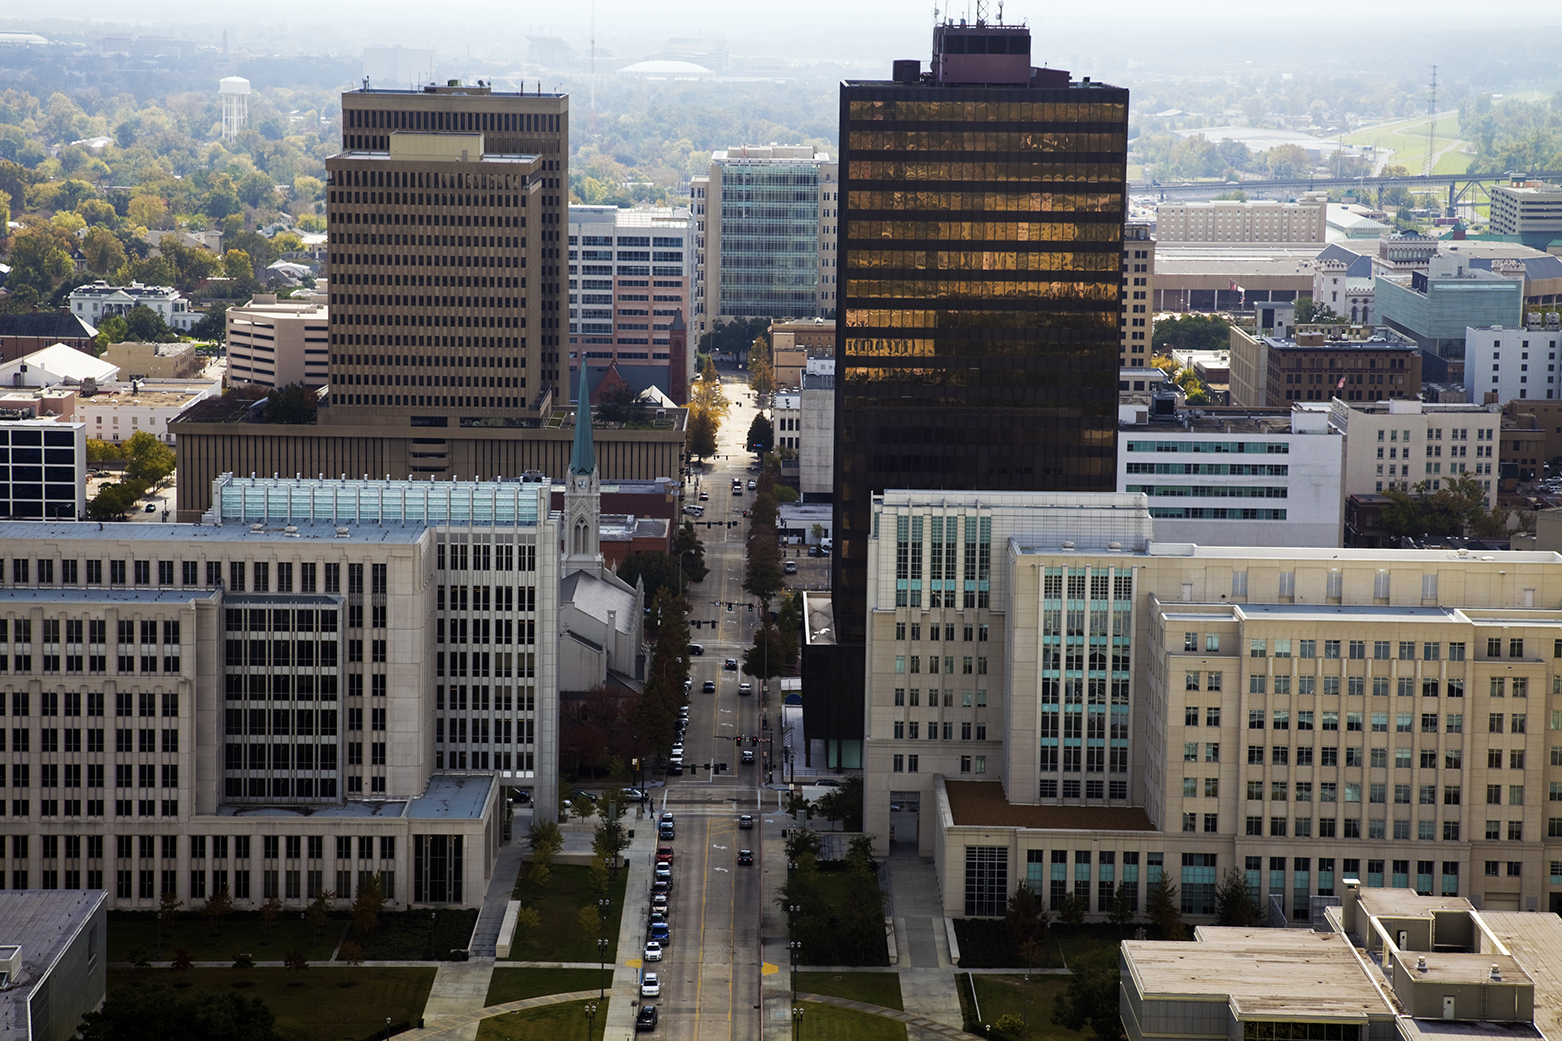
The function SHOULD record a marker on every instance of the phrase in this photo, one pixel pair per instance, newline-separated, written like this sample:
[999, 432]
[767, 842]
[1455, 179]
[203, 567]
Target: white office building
[1503, 365]
[95, 302]
[1238, 477]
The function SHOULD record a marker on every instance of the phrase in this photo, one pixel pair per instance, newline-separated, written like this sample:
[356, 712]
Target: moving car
[705, 496]
[748, 755]
[696, 648]
[745, 856]
[653, 950]
[708, 687]
[646, 1020]
[745, 821]
[751, 484]
[634, 793]
[650, 985]
[789, 568]
[745, 688]
[730, 665]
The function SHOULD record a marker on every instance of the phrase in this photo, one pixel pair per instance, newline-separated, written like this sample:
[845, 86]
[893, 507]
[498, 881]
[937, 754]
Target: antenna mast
[594, 69]
[1431, 127]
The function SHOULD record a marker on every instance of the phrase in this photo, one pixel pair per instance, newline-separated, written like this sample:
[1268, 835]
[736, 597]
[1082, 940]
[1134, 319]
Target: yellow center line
[699, 966]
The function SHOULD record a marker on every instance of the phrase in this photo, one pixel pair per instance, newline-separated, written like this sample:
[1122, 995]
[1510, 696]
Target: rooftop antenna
[1431, 127]
[981, 12]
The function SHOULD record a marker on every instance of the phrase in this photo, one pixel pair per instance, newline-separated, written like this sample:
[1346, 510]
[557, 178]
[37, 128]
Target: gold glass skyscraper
[981, 237]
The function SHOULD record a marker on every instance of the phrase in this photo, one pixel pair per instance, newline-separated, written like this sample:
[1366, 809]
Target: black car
[647, 1018]
[745, 856]
[730, 665]
[708, 687]
[696, 649]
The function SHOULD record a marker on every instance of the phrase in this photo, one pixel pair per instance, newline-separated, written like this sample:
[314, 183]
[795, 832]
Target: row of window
[969, 665]
[289, 578]
[948, 629]
[1377, 828]
[910, 731]
[126, 703]
[87, 631]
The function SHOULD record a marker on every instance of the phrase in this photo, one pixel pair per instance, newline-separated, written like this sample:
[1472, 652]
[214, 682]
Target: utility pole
[1431, 127]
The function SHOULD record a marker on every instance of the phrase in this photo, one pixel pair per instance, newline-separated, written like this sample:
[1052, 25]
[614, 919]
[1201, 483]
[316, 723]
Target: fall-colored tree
[183, 961]
[295, 960]
[218, 907]
[270, 912]
[351, 952]
[370, 901]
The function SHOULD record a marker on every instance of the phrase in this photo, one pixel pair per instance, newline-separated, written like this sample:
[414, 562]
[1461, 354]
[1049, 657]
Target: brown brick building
[1352, 363]
[22, 334]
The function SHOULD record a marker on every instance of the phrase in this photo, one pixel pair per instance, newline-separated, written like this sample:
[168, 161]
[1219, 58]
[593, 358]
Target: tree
[114, 328]
[293, 404]
[767, 659]
[154, 1010]
[1091, 996]
[295, 960]
[147, 326]
[620, 405]
[270, 912]
[1162, 908]
[151, 461]
[843, 805]
[113, 501]
[366, 908]
[1288, 162]
[690, 553]
[319, 910]
[761, 377]
[544, 839]
[762, 564]
[218, 907]
[761, 435]
[148, 211]
[657, 571]
[701, 434]
[1121, 910]
[1072, 910]
[104, 252]
[1234, 903]
[38, 261]
[183, 962]
[1194, 332]
[1309, 312]
[803, 841]
[352, 951]
[1026, 917]
[610, 838]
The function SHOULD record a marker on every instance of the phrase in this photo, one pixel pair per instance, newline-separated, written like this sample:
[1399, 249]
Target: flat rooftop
[983, 804]
[387, 809]
[1270, 421]
[43, 924]
[1263, 973]
[69, 531]
[486, 157]
[452, 796]
[819, 610]
[1536, 941]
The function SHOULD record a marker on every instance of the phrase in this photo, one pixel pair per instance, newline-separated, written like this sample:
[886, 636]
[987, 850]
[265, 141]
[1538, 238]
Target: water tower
[235, 105]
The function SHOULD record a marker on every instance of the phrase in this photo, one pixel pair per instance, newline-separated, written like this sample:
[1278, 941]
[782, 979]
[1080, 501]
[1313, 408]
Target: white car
[653, 950]
[650, 985]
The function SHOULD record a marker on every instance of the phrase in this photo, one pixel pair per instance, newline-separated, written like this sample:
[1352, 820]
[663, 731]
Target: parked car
[664, 854]
[645, 1021]
[666, 818]
[664, 873]
[653, 950]
[789, 567]
[745, 856]
[650, 985]
[661, 935]
[666, 831]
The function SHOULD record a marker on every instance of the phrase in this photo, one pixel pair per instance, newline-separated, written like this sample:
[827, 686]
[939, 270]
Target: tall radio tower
[1431, 127]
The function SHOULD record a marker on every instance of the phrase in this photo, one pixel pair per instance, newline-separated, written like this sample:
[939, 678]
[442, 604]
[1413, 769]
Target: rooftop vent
[341, 533]
[1421, 964]
[1496, 973]
[1068, 546]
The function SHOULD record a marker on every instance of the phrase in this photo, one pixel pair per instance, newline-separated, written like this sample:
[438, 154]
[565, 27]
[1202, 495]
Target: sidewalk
[624, 988]
[927, 981]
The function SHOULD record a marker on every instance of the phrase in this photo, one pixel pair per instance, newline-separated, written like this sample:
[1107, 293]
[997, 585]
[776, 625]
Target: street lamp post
[796, 947]
[602, 966]
[591, 1019]
[797, 1022]
[433, 922]
[387, 1028]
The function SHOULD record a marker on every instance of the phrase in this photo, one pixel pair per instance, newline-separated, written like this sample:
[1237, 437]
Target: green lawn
[562, 1022]
[246, 936]
[1002, 995]
[876, 988]
[829, 1023]
[985, 943]
[560, 937]
[336, 1004]
[405, 935]
[516, 984]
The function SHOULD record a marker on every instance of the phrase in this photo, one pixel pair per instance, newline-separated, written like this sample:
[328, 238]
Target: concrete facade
[1435, 307]
[1138, 705]
[1260, 220]
[1138, 318]
[1503, 365]
[1238, 477]
[1399, 444]
[816, 431]
[1530, 209]
[381, 714]
[274, 343]
[1321, 362]
[95, 302]
[118, 411]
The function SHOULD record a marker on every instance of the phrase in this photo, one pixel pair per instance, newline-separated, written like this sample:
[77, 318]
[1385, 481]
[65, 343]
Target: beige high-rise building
[1259, 220]
[274, 343]
[1138, 318]
[447, 270]
[320, 681]
[1057, 698]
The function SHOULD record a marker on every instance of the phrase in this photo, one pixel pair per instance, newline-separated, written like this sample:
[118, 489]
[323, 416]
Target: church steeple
[583, 457]
[583, 494]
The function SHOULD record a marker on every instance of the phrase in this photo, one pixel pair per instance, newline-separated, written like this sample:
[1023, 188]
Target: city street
[711, 972]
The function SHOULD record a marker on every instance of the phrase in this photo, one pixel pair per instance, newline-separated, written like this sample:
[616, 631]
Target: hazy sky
[1068, 34]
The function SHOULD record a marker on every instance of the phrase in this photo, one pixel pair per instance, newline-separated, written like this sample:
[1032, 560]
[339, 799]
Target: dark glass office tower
[981, 228]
